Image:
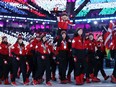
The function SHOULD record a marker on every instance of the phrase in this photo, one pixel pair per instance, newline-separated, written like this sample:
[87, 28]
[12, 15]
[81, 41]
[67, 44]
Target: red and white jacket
[63, 24]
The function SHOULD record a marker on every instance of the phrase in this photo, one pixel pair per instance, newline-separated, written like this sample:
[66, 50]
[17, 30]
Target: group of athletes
[42, 56]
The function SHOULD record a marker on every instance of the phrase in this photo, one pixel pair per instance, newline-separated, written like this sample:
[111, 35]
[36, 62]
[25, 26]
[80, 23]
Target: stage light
[1, 15]
[1, 25]
[7, 20]
[20, 25]
[84, 19]
[54, 15]
[88, 21]
[78, 20]
[36, 21]
[107, 18]
[111, 21]
[71, 16]
[31, 22]
[43, 23]
[48, 23]
[25, 20]
[95, 22]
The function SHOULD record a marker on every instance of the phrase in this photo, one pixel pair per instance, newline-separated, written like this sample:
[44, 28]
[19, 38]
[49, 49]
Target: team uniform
[19, 60]
[62, 24]
[80, 63]
[4, 61]
[53, 64]
[29, 59]
[91, 56]
[70, 63]
[33, 51]
[62, 58]
[43, 63]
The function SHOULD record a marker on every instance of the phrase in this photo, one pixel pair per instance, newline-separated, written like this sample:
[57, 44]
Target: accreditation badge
[20, 52]
[64, 47]
[17, 58]
[44, 51]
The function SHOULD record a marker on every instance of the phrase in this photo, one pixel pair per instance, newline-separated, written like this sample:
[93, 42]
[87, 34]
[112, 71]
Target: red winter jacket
[42, 48]
[18, 50]
[63, 46]
[4, 49]
[29, 49]
[78, 43]
[63, 24]
[91, 45]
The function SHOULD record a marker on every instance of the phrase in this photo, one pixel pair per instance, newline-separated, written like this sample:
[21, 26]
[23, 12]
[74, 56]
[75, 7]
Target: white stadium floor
[56, 84]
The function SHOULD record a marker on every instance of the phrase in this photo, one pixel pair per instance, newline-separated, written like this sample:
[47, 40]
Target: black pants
[71, 65]
[16, 64]
[99, 63]
[1, 66]
[114, 71]
[81, 66]
[63, 63]
[91, 62]
[5, 66]
[34, 63]
[53, 65]
[42, 66]
[31, 67]
[99, 67]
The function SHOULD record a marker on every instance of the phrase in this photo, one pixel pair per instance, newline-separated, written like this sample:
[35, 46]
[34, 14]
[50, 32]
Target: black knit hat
[78, 29]
[91, 34]
[4, 37]
[64, 13]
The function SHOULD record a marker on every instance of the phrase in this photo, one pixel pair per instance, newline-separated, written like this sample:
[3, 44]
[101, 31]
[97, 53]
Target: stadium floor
[56, 84]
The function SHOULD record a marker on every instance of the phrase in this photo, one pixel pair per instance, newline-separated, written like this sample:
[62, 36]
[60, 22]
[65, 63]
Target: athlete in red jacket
[79, 54]
[30, 58]
[43, 62]
[63, 22]
[19, 60]
[91, 53]
[4, 60]
[63, 56]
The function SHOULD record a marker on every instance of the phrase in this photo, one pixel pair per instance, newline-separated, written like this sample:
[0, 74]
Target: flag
[108, 39]
[108, 54]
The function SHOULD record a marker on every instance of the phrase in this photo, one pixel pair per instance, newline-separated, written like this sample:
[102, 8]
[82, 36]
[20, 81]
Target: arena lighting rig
[33, 19]
[94, 19]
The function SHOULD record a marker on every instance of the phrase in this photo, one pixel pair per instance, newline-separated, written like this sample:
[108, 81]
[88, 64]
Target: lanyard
[64, 43]
[44, 47]
[20, 49]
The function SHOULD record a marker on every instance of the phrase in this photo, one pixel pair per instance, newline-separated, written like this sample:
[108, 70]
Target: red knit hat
[62, 32]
